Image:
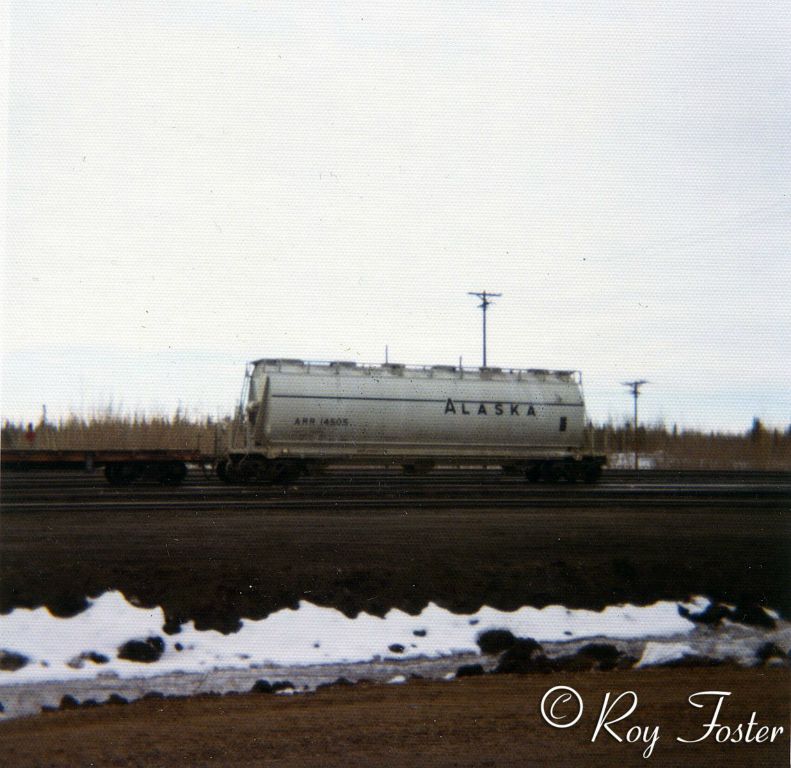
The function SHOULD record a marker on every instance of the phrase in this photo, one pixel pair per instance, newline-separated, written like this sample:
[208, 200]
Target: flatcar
[299, 417]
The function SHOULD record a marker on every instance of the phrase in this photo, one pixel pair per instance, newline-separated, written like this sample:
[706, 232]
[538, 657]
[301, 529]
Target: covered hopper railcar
[299, 417]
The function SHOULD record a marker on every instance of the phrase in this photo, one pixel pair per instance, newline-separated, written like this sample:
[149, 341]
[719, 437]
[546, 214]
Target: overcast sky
[192, 185]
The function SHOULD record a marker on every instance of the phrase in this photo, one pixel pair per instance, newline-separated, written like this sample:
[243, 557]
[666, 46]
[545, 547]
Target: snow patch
[626, 460]
[309, 635]
[663, 653]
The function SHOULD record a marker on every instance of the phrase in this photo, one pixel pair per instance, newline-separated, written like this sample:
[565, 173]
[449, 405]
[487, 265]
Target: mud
[476, 721]
[217, 565]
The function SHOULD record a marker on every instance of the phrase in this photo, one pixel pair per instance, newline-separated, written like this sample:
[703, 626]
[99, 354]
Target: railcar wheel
[123, 472]
[533, 473]
[284, 472]
[234, 472]
[222, 471]
[171, 473]
[574, 472]
[592, 474]
[551, 472]
[249, 469]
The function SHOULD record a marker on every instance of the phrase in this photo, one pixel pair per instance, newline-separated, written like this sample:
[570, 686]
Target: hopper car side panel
[335, 416]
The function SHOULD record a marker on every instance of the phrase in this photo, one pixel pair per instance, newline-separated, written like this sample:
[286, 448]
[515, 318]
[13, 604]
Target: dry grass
[758, 448]
[108, 430]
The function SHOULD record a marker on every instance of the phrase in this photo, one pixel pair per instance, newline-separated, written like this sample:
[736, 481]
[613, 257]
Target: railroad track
[49, 491]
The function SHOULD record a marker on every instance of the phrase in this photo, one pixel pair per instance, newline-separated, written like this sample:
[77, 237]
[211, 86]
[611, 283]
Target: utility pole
[634, 388]
[484, 305]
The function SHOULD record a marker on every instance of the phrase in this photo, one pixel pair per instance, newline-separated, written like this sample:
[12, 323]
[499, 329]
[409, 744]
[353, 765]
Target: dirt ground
[491, 720]
[216, 565]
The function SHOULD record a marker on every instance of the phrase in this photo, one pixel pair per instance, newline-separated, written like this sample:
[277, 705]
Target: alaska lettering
[460, 407]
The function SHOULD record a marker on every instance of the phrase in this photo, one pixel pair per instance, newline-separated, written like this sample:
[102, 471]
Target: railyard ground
[215, 562]
[206, 559]
[482, 721]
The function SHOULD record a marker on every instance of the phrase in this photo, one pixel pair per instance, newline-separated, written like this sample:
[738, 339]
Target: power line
[485, 297]
[634, 387]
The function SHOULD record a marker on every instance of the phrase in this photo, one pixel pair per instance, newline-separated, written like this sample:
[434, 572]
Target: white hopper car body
[299, 416]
